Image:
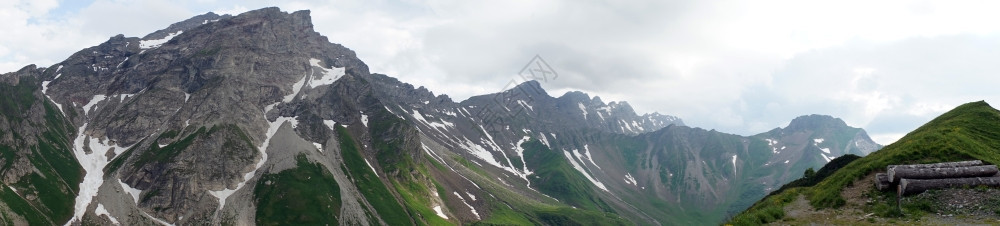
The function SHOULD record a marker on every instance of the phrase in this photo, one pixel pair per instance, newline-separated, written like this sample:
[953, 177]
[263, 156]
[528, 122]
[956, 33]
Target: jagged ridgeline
[968, 132]
[258, 119]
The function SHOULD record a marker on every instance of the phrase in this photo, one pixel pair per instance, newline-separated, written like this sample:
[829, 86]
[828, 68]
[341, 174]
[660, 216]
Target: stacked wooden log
[914, 179]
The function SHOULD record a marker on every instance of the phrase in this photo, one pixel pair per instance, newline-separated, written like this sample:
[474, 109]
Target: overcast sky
[741, 67]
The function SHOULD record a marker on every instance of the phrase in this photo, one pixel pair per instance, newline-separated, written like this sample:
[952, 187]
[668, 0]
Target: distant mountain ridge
[258, 119]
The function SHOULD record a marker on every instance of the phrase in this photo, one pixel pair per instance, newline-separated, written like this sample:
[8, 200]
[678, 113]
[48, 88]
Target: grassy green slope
[970, 131]
[305, 195]
[57, 175]
[555, 177]
[368, 183]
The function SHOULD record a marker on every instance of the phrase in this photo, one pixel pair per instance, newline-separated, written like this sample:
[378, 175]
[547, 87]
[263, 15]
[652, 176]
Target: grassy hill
[970, 131]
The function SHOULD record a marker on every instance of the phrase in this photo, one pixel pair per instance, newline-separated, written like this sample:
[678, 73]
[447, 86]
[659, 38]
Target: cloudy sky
[742, 67]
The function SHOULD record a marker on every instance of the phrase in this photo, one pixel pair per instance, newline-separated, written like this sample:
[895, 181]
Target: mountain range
[258, 119]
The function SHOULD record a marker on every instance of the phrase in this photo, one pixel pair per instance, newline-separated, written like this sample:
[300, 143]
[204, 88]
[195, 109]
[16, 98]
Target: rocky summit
[258, 119]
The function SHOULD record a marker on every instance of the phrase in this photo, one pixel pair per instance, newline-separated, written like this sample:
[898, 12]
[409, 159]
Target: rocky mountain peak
[814, 121]
[185, 25]
[621, 107]
[575, 96]
[529, 89]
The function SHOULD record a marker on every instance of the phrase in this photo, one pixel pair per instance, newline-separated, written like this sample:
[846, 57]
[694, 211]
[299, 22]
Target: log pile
[914, 179]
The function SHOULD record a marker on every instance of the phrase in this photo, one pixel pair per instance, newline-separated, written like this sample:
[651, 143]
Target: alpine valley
[256, 119]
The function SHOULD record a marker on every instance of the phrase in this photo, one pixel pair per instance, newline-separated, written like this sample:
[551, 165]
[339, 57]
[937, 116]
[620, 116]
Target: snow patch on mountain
[772, 143]
[524, 166]
[296, 88]
[330, 123]
[102, 211]
[123, 62]
[319, 147]
[149, 44]
[625, 125]
[131, 191]
[589, 157]
[577, 166]
[272, 128]
[636, 125]
[734, 164]
[544, 140]
[45, 88]
[372, 167]
[436, 157]
[439, 126]
[525, 105]
[327, 75]
[437, 210]
[93, 101]
[93, 165]
[583, 109]
[364, 119]
[630, 180]
[467, 204]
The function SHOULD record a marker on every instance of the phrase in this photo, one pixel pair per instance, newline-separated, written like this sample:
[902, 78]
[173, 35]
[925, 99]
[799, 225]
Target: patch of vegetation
[53, 194]
[208, 51]
[995, 208]
[415, 198]
[22, 208]
[568, 216]
[811, 177]
[169, 135]
[770, 209]
[7, 156]
[59, 157]
[119, 160]
[504, 216]
[156, 154]
[368, 183]
[468, 164]
[305, 195]
[555, 176]
[919, 205]
[57, 174]
[631, 150]
[502, 212]
[436, 164]
[388, 138]
[17, 98]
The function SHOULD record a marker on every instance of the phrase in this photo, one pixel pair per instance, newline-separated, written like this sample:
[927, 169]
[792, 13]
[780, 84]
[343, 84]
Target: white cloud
[736, 66]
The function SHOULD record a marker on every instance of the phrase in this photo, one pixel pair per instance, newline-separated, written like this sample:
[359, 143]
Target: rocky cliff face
[258, 119]
[39, 172]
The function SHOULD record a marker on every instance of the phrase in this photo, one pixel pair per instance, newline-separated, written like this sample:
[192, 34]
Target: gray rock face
[183, 126]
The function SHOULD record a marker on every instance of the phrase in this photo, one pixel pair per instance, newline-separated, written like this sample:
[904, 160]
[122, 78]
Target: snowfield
[150, 44]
